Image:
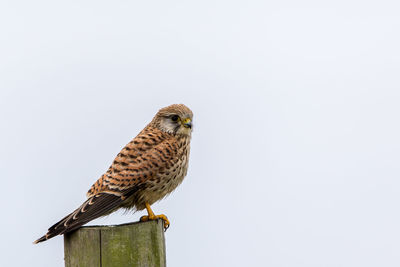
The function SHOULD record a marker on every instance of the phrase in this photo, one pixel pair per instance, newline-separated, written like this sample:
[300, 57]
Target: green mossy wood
[135, 244]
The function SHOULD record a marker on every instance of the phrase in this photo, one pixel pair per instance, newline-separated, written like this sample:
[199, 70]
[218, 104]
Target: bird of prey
[147, 169]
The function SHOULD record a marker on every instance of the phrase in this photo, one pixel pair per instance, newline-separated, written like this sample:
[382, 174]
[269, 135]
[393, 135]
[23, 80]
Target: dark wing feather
[134, 165]
[95, 207]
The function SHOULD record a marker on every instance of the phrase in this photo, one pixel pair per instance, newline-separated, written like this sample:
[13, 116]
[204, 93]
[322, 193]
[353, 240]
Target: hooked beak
[187, 123]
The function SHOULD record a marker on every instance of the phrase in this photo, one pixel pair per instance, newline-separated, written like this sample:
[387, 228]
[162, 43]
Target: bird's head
[175, 119]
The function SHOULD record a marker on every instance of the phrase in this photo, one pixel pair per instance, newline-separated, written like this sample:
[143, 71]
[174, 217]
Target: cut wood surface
[134, 244]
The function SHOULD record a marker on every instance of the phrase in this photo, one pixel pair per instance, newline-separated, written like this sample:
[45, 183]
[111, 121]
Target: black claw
[166, 228]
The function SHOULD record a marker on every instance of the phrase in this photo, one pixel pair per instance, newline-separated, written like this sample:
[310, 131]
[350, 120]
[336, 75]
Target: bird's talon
[156, 217]
[144, 218]
[165, 220]
[166, 226]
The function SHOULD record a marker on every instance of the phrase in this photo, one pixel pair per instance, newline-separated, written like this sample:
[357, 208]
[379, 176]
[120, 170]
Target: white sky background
[295, 152]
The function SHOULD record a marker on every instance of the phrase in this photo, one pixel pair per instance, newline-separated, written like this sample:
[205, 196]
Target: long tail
[94, 207]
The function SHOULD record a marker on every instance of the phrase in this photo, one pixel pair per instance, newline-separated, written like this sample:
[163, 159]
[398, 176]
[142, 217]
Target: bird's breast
[165, 180]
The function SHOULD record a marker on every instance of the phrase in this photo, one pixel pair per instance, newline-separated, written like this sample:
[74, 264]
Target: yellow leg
[151, 216]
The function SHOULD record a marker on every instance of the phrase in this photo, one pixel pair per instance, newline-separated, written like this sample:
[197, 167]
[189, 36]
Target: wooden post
[133, 244]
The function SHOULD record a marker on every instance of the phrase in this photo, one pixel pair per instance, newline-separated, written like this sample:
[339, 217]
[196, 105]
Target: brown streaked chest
[167, 179]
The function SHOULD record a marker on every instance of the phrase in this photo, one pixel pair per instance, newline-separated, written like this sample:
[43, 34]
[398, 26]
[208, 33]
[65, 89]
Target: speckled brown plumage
[147, 169]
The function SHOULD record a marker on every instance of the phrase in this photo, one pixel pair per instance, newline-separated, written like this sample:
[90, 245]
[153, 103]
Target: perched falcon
[147, 169]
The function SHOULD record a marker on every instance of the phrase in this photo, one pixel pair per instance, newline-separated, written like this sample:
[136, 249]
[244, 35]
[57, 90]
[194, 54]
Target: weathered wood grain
[135, 244]
[82, 248]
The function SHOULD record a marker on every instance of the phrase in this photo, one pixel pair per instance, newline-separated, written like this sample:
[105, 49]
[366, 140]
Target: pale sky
[295, 151]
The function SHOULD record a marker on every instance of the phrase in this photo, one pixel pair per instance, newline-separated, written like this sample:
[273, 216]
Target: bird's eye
[175, 118]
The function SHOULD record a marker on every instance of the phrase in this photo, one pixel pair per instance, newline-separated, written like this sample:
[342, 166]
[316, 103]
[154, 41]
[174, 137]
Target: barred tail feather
[94, 207]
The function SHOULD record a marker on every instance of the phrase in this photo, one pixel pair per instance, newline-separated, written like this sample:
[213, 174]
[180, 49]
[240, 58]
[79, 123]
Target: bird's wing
[149, 153]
